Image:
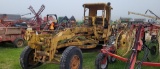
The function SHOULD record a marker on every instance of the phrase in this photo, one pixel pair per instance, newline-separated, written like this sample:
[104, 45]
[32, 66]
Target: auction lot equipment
[12, 34]
[42, 48]
[110, 53]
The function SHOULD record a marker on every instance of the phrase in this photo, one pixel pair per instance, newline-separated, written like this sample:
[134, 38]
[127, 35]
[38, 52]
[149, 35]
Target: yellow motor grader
[42, 48]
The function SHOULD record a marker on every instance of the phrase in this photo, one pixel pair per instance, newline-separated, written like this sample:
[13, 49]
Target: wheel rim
[103, 65]
[19, 43]
[75, 62]
[153, 46]
[124, 42]
[113, 59]
[31, 61]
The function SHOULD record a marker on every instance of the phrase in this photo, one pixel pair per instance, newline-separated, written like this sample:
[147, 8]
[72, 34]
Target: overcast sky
[74, 7]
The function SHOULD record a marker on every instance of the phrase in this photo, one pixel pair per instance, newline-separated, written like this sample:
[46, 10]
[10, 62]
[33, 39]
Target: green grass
[9, 59]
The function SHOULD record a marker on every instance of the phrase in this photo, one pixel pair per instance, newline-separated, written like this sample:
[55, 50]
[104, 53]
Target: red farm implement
[110, 52]
[12, 34]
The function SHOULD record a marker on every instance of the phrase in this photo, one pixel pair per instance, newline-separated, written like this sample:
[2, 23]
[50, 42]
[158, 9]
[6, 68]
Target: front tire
[101, 61]
[27, 59]
[71, 58]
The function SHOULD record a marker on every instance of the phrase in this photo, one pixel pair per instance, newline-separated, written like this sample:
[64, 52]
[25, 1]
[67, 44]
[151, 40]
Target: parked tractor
[43, 48]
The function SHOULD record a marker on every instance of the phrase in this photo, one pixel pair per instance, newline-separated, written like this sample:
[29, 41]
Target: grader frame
[44, 46]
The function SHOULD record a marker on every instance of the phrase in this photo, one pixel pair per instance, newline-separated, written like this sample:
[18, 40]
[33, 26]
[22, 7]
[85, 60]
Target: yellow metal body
[85, 36]
[124, 41]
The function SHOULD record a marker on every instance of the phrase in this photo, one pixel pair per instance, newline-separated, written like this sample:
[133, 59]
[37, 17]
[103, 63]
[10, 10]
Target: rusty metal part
[75, 62]
[11, 34]
[37, 19]
[124, 41]
[27, 34]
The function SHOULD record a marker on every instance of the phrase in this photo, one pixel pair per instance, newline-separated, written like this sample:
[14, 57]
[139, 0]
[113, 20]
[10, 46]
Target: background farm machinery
[13, 28]
[132, 39]
[132, 42]
[154, 19]
[13, 35]
[9, 32]
[60, 23]
[42, 48]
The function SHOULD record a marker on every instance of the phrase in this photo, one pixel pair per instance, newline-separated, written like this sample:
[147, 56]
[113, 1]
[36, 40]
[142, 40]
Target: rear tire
[98, 62]
[27, 57]
[18, 42]
[153, 49]
[71, 58]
